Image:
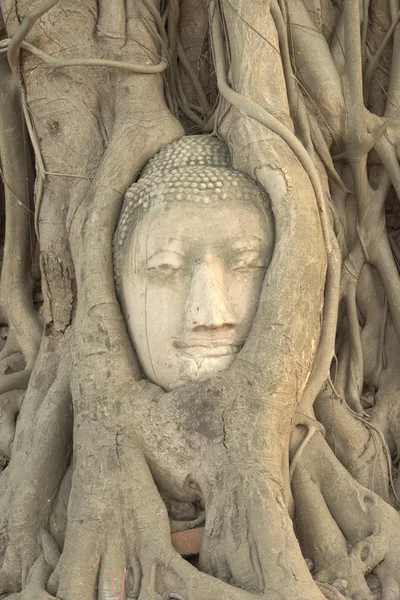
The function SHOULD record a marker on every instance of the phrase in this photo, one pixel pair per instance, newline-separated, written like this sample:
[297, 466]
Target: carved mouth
[200, 347]
[201, 351]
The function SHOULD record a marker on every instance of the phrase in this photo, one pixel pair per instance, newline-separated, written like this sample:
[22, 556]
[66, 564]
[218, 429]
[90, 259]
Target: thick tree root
[36, 584]
[247, 526]
[16, 288]
[29, 512]
[10, 404]
[360, 447]
[345, 540]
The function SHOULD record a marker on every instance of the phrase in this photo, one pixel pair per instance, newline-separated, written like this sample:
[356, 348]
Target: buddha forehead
[193, 229]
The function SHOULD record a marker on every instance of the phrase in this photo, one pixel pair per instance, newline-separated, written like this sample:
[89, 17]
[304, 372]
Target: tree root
[15, 381]
[16, 278]
[10, 405]
[40, 572]
[355, 443]
[177, 579]
[30, 511]
[253, 110]
[329, 591]
[22, 31]
[36, 584]
[55, 63]
[240, 506]
[182, 581]
[344, 540]
[12, 362]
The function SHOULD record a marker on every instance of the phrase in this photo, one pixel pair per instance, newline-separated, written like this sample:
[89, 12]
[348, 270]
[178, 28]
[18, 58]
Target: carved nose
[207, 306]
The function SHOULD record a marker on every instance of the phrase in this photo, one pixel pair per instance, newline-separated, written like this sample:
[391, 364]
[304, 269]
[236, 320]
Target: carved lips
[209, 349]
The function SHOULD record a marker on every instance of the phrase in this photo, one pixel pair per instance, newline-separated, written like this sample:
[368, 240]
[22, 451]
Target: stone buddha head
[191, 249]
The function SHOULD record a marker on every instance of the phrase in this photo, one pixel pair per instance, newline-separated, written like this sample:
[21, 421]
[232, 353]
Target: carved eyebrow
[166, 244]
[167, 240]
[158, 253]
[253, 243]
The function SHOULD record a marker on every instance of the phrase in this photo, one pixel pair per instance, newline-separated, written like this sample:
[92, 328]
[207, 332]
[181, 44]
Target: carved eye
[165, 264]
[248, 261]
[165, 270]
[248, 268]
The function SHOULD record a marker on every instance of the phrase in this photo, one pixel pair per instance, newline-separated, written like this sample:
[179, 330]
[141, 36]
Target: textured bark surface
[289, 459]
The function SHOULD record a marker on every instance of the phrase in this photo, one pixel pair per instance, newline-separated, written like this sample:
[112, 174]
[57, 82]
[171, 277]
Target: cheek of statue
[190, 293]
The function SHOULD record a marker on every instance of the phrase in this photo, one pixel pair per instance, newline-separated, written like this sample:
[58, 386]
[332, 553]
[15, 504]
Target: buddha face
[190, 286]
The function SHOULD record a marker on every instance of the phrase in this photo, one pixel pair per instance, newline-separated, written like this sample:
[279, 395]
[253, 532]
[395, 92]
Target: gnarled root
[346, 530]
[247, 526]
[36, 584]
[10, 404]
[16, 289]
[123, 525]
[360, 447]
[40, 572]
[32, 496]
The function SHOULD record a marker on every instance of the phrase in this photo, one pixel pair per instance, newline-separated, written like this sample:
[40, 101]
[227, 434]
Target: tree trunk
[291, 453]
